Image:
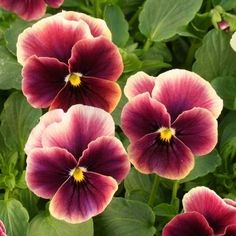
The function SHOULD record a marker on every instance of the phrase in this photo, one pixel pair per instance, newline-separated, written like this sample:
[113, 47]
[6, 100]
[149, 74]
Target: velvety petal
[27, 10]
[81, 125]
[143, 115]
[2, 229]
[97, 26]
[205, 201]
[171, 160]
[106, 156]
[188, 224]
[197, 129]
[230, 202]
[43, 78]
[95, 92]
[51, 37]
[54, 3]
[47, 169]
[35, 137]
[97, 57]
[181, 90]
[77, 202]
[229, 231]
[139, 83]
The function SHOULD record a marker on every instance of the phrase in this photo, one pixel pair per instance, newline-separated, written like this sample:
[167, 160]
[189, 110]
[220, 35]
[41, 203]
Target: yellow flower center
[74, 79]
[78, 174]
[166, 134]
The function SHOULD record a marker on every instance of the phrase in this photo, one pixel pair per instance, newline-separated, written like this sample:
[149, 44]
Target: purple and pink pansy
[69, 59]
[168, 120]
[29, 10]
[75, 160]
[205, 214]
[2, 229]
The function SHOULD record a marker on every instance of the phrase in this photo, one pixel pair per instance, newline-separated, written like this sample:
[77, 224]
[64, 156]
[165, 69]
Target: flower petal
[27, 10]
[54, 3]
[51, 37]
[139, 83]
[81, 125]
[97, 26]
[197, 129]
[181, 90]
[187, 224]
[229, 231]
[95, 92]
[205, 201]
[77, 202]
[47, 169]
[96, 57]
[230, 202]
[143, 115]
[171, 160]
[2, 229]
[35, 137]
[106, 156]
[43, 78]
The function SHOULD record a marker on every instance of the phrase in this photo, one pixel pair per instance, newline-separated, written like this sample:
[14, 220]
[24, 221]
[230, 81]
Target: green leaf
[215, 58]
[44, 224]
[14, 217]
[203, 165]
[18, 119]
[226, 4]
[10, 70]
[165, 209]
[116, 22]
[160, 19]
[125, 217]
[12, 33]
[226, 87]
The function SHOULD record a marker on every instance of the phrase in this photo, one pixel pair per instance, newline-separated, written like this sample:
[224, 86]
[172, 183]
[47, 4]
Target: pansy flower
[168, 120]
[2, 229]
[205, 214]
[66, 62]
[75, 160]
[29, 10]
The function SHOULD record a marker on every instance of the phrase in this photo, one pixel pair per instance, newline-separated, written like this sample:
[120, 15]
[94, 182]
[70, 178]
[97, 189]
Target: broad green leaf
[116, 22]
[44, 224]
[14, 217]
[226, 88]
[10, 70]
[215, 58]
[12, 33]
[153, 66]
[203, 165]
[160, 19]
[125, 217]
[226, 4]
[18, 119]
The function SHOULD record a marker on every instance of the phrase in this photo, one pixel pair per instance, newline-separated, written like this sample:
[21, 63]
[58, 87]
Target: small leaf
[10, 70]
[125, 217]
[160, 19]
[116, 22]
[226, 87]
[18, 119]
[203, 165]
[215, 58]
[165, 209]
[44, 224]
[14, 217]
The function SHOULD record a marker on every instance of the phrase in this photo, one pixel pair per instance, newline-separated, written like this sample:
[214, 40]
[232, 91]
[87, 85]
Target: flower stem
[154, 191]
[6, 195]
[147, 44]
[174, 191]
[96, 8]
